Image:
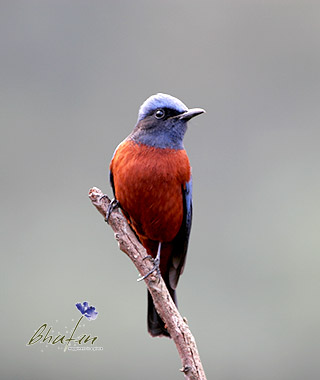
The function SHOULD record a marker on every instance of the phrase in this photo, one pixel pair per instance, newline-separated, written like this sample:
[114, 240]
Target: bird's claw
[147, 257]
[112, 206]
[156, 267]
[102, 196]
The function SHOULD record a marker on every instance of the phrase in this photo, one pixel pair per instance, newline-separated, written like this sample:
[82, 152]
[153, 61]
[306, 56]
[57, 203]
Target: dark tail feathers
[155, 323]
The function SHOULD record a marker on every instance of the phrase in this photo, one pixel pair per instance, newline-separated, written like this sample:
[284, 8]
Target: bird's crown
[160, 101]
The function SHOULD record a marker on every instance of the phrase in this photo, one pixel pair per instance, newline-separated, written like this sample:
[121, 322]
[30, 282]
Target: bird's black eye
[160, 113]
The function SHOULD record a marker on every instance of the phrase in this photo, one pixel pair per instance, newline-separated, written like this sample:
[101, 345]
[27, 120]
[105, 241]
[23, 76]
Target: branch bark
[176, 325]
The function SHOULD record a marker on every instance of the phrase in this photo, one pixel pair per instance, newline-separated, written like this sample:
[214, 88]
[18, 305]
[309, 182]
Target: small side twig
[176, 325]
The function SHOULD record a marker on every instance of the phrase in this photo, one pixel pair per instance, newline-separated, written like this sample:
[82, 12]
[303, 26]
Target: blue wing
[111, 174]
[180, 243]
[112, 182]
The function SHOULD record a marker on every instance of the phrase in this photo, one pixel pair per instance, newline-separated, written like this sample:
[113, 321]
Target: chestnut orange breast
[148, 184]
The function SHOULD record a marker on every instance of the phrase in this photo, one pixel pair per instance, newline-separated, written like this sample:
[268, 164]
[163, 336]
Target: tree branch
[176, 325]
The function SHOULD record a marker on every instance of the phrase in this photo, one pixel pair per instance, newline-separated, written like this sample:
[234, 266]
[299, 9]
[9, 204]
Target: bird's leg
[112, 206]
[157, 259]
[156, 265]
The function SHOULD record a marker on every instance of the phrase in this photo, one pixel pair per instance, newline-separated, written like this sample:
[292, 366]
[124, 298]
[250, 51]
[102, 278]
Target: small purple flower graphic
[88, 311]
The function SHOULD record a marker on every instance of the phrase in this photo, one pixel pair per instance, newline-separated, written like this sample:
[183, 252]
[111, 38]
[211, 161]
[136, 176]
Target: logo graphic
[84, 342]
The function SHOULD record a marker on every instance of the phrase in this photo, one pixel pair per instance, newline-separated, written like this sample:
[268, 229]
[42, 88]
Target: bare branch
[176, 325]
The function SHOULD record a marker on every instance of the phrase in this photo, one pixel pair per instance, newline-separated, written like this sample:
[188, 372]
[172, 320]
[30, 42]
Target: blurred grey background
[73, 75]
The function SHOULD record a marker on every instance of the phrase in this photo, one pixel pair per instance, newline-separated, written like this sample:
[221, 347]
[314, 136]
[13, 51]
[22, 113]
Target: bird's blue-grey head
[162, 122]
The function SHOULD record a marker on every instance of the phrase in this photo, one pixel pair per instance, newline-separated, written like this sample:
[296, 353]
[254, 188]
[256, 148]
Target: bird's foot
[102, 197]
[156, 267]
[112, 206]
[147, 257]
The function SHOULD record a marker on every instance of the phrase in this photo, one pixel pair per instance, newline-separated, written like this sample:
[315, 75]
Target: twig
[176, 325]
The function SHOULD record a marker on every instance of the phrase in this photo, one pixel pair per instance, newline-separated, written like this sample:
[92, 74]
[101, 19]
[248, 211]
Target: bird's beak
[191, 113]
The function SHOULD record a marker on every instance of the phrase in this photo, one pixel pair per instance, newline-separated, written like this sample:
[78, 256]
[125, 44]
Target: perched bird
[151, 179]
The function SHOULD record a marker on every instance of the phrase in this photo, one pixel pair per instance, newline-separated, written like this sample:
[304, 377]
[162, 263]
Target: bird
[150, 175]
